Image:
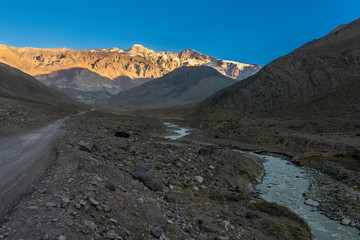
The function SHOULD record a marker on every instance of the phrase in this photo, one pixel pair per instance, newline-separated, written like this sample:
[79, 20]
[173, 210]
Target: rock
[110, 186]
[86, 146]
[156, 231]
[155, 217]
[211, 167]
[93, 201]
[122, 189]
[62, 237]
[83, 202]
[345, 221]
[90, 225]
[64, 201]
[140, 200]
[206, 228]
[180, 160]
[214, 147]
[122, 134]
[145, 176]
[206, 151]
[110, 234]
[222, 238]
[32, 207]
[312, 203]
[106, 208]
[199, 179]
[77, 205]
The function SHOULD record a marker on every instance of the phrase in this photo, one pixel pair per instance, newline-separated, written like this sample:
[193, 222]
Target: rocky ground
[336, 199]
[110, 177]
[17, 116]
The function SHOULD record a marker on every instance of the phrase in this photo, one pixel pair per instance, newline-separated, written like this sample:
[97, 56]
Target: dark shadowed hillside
[181, 88]
[18, 85]
[320, 75]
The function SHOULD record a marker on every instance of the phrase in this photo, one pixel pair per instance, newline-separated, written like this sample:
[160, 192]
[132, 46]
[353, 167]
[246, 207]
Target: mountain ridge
[135, 62]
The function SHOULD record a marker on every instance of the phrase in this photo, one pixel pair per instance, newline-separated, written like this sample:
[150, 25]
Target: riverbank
[332, 162]
[94, 188]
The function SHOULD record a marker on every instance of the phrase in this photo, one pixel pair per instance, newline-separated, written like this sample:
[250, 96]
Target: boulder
[156, 231]
[145, 176]
[122, 134]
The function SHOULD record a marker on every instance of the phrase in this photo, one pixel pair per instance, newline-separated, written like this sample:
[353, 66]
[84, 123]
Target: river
[285, 184]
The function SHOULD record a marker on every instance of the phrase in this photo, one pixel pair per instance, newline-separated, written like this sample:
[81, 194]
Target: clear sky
[245, 31]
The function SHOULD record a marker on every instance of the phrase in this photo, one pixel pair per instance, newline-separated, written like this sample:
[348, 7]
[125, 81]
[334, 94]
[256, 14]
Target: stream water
[175, 131]
[285, 184]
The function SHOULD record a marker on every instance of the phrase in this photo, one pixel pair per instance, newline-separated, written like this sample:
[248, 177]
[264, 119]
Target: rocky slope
[321, 73]
[15, 84]
[181, 88]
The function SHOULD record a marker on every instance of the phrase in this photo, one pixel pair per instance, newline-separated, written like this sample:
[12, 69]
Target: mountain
[180, 88]
[136, 62]
[61, 68]
[17, 85]
[87, 86]
[322, 75]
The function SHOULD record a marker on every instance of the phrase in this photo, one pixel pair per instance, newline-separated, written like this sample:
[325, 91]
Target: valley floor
[89, 191]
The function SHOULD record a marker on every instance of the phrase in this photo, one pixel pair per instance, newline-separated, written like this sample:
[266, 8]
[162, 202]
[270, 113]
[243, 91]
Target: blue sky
[244, 31]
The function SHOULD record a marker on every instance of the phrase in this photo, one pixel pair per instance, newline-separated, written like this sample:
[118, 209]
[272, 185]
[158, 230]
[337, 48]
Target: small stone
[62, 237]
[93, 201]
[83, 202]
[140, 200]
[113, 220]
[312, 203]
[122, 134]
[170, 221]
[110, 234]
[91, 225]
[32, 207]
[205, 151]
[178, 164]
[199, 179]
[195, 188]
[345, 221]
[222, 238]
[106, 208]
[122, 189]
[86, 146]
[211, 167]
[160, 193]
[156, 231]
[110, 186]
[64, 201]
[77, 205]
